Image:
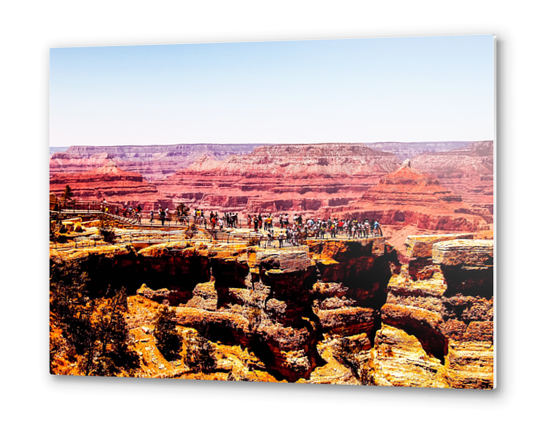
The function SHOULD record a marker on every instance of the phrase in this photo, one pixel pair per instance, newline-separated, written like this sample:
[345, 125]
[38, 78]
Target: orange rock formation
[329, 312]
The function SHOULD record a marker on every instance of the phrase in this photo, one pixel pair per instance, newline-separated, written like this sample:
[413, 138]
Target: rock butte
[334, 312]
[107, 181]
[409, 197]
[467, 171]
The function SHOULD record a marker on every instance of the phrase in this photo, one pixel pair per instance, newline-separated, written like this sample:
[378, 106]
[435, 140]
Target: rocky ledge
[438, 317]
[338, 312]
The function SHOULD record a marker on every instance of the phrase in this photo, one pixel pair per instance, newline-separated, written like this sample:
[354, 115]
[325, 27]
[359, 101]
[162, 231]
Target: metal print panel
[304, 211]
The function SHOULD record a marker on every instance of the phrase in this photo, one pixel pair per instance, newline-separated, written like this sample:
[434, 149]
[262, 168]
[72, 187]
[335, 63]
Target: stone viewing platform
[422, 246]
[467, 253]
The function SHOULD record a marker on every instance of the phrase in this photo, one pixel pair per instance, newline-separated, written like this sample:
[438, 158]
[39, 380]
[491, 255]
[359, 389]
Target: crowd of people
[228, 220]
[283, 228]
[301, 228]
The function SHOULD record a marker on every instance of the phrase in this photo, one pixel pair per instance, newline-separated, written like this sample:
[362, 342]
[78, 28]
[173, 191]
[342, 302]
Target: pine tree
[67, 195]
[168, 340]
[94, 328]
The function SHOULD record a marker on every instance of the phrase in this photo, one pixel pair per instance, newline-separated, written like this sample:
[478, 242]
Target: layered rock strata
[468, 171]
[278, 304]
[334, 312]
[443, 191]
[438, 318]
[410, 197]
[302, 178]
[109, 182]
[153, 162]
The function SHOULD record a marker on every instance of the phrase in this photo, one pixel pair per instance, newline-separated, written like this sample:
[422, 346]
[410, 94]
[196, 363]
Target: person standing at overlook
[377, 229]
[162, 216]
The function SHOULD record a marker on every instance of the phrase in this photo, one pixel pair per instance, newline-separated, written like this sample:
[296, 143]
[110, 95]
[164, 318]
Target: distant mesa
[474, 159]
[300, 160]
[405, 150]
[62, 162]
[153, 162]
[107, 181]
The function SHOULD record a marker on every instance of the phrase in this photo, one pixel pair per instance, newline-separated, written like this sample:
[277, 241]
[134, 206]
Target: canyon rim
[351, 263]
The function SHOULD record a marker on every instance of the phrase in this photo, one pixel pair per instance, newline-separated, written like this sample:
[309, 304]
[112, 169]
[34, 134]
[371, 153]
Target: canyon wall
[109, 182]
[438, 317]
[444, 190]
[468, 171]
[334, 312]
[409, 197]
[153, 162]
[295, 178]
[409, 150]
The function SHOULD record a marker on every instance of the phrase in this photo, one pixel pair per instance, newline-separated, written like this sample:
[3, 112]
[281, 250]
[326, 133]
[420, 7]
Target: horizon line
[271, 143]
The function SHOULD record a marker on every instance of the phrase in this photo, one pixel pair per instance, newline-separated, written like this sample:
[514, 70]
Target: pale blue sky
[381, 89]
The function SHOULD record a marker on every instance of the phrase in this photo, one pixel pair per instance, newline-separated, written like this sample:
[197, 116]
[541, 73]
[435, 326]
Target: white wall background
[29, 28]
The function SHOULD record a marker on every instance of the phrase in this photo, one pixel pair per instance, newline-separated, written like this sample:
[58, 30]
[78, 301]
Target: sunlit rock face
[438, 317]
[334, 312]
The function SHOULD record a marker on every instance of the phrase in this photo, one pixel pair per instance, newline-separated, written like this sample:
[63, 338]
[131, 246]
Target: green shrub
[168, 340]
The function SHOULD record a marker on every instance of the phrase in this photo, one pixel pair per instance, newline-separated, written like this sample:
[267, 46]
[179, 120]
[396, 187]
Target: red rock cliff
[410, 197]
[467, 171]
[280, 178]
[109, 182]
